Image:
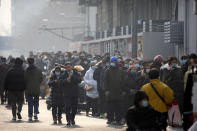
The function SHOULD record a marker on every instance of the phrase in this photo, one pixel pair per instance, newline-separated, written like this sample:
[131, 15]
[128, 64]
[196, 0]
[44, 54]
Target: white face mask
[113, 64]
[145, 103]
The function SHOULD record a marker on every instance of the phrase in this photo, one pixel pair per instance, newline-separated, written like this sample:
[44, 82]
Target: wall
[185, 13]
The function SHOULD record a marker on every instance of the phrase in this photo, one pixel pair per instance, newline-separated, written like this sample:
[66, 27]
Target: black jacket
[70, 89]
[141, 117]
[15, 80]
[56, 90]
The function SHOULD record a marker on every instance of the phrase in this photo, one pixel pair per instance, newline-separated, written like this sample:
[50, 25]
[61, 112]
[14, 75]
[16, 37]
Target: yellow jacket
[154, 99]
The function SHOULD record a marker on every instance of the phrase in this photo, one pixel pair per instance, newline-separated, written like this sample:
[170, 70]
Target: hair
[153, 74]
[172, 59]
[193, 56]
[68, 63]
[184, 57]
[18, 61]
[30, 60]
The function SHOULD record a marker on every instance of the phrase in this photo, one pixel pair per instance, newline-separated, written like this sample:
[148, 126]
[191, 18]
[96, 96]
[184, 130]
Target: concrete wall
[185, 13]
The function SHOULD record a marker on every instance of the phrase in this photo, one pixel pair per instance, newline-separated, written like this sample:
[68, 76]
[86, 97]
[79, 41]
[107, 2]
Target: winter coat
[88, 79]
[3, 72]
[33, 79]
[187, 104]
[143, 119]
[154, 99]
[99, 77]
[131, 86]
[56, 89]
[175, 81]
[15, 80]
[70, 89]
[114, 83]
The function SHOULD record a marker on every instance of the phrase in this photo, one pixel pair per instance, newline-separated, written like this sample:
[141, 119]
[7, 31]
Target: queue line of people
[111, 86]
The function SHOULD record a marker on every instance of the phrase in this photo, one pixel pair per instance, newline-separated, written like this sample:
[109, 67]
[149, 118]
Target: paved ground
[45, 124]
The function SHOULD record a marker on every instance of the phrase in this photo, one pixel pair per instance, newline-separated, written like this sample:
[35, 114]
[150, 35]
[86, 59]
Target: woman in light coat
[91, 94]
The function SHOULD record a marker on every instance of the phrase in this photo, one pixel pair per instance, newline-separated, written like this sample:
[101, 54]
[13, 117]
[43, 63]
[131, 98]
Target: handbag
[88, 87]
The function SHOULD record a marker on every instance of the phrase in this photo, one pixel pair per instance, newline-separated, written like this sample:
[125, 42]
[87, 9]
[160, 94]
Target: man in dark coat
[113, 85]
[70, 81]
[99, 77]
[33, 79]
[56, 95]
[15, 85]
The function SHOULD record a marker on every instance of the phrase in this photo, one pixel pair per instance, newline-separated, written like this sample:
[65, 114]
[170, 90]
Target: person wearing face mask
[131, 87]
[91, 94]
[159, 95]
[175, 80]
[143, 77]
[141, 116]
[99, 77]
[114, 90]
[56, 95]
[69, 81]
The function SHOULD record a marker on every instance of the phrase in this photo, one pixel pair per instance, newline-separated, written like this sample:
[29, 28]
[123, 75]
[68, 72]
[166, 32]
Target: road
[45, 123]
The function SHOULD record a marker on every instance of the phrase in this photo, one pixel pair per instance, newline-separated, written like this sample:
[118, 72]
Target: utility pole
[134, 30]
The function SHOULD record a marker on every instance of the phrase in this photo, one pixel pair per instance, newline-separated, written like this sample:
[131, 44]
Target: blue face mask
[65, 58]
[113, 64]
[183, 62]
[147, 70]
[94, 67]
[76, 57]
[137, 65]
[127, 66]
[174, 65]
[57, 73]
[145, 104]
[108, 65]
[89, 59]
[133, 72]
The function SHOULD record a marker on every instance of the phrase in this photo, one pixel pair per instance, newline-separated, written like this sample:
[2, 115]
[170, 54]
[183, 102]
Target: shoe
[109, 122]
[35, 117]
[119, 123]
[30, 119]
[19, 116]
[102, 116]
[114, 123]
[68, 124]
[59, 121]
[87, 113]
[14, 118]
[73, 122]
[55, 122]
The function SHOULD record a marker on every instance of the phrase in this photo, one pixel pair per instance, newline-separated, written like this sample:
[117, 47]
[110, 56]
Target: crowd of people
[139, 93]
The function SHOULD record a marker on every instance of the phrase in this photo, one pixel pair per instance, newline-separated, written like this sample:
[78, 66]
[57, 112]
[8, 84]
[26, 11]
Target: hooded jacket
[33, 79]
[88, 79]
[141, 117]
